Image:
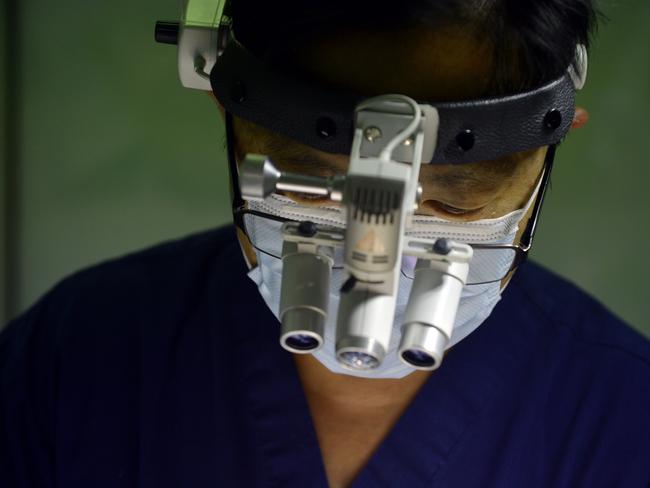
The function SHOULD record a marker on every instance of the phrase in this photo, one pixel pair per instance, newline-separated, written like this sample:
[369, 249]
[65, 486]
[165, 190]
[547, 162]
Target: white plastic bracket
[578, 72]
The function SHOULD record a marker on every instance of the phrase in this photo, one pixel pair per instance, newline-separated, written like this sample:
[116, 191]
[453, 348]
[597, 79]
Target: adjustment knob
[257, 177]
[166, 32]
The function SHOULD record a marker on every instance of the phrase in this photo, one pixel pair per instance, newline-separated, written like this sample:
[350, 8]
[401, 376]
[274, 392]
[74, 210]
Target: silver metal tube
[430, 314]
[304, 298]
[312, 185]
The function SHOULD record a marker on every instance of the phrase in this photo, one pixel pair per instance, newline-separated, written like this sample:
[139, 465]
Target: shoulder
[109, 302]
[82, 353]
[569, 310]
[165, 269]
[176, 262]
[587, 377]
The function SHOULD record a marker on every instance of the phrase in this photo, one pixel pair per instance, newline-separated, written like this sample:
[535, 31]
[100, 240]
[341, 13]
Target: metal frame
[521, 249]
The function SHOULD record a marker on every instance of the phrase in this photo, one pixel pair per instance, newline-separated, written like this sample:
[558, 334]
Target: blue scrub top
[163, 369]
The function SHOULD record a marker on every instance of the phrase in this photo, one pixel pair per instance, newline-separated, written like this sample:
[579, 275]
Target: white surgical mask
[476, 303]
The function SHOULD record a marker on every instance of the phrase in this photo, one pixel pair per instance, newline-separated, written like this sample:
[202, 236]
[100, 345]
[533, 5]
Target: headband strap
[469, 131]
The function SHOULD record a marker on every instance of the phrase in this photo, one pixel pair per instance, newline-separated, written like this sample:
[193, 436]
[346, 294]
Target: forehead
[292, 156]
[442, 64]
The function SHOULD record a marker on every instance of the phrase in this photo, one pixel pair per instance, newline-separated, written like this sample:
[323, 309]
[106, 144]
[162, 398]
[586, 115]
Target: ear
[219, 106]
[580, 118]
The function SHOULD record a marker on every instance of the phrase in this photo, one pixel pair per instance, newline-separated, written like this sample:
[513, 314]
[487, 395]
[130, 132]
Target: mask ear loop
[526, 241]
[237, 202]
[578, 72]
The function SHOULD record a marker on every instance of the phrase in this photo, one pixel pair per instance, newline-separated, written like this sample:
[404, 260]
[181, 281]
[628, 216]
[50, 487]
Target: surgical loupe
[378, 194]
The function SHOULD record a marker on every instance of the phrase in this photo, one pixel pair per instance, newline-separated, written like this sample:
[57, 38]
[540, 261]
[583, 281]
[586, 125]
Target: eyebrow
[466, 179]
[296, 159]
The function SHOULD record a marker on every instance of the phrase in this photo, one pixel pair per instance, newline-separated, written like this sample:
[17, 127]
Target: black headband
[470, 131]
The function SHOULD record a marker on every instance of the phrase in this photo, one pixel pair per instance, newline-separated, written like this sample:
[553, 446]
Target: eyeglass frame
[521, 249]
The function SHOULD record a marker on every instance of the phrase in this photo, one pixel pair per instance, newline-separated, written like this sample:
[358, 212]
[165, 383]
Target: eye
[445, 208]
[453, 210]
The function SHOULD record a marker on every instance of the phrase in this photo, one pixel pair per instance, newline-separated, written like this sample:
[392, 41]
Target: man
[163, 368]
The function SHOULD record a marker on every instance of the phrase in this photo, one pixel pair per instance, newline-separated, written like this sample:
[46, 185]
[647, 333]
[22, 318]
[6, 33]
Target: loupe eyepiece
[422, 346]
[302, 330]
[302, 342]
[433, 303]
[304, 298]
[419, 358]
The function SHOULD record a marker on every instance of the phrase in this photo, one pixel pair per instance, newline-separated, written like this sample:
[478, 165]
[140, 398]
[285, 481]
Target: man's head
[435, 52]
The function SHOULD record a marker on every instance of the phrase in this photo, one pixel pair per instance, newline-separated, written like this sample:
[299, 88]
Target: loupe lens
[302, 342]
[302, 330]
[430, 313]
[419, 359]
[304, 298]
[422, 346]
[358, 360]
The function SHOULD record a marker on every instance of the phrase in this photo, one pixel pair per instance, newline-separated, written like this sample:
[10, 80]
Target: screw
[442, 246]
[307, 228]
[325, 128]
[372, 133]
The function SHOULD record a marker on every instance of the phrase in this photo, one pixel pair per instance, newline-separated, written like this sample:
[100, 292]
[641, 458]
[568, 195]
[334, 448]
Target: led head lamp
[388, 138]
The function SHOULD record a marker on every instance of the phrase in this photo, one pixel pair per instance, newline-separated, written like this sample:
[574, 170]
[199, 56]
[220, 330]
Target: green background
[113, 155]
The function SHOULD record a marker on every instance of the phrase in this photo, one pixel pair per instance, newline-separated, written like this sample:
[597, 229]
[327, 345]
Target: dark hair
[535, 37]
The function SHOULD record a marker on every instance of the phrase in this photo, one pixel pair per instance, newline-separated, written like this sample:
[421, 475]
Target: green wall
[115, 155]
[4, 166]
[595, 228]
